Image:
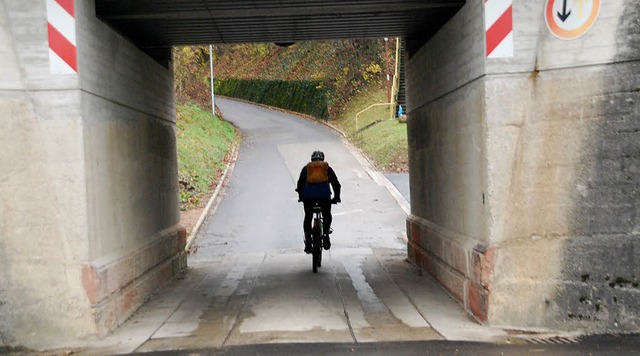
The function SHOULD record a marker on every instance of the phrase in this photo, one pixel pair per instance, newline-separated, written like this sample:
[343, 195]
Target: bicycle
[316, 238]
[317, 241]
[316, 235]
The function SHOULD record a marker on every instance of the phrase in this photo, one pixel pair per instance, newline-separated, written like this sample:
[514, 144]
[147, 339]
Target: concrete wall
[556, 134]
[447, 139]
[135, 238]
[89, 222]
[129, 139]
[43, 198]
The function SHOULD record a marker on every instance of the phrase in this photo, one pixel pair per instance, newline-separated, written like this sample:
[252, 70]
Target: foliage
[342, 68]
[204, 142]
[192, 75]
[303, 96]
[371, 71]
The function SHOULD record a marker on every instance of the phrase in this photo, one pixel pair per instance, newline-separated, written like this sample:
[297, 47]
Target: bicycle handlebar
[332, 202]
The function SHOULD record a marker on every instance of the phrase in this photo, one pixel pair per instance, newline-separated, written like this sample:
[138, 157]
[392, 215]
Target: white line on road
[370, 302]
[231, 282]
[348, 212]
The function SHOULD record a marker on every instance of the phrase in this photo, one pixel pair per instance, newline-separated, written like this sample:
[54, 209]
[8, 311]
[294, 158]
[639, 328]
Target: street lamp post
[213, 103]
[386, 57]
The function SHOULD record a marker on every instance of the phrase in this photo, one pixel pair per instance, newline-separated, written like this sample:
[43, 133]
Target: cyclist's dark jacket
[315, 179]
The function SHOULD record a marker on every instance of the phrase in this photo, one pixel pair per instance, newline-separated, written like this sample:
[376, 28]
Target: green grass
[384, 142]
[374, 95]
[203, 144]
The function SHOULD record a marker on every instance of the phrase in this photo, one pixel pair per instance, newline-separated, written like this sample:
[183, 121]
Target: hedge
[301, 96]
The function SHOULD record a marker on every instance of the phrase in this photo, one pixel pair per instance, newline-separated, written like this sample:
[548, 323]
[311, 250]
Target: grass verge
[204, 142]
[382, 139]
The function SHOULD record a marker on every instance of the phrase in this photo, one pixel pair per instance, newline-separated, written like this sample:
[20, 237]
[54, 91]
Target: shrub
[303, 96]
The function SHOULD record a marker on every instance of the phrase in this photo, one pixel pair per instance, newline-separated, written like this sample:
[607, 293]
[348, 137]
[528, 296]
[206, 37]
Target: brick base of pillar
[118, 288]
[464, 271]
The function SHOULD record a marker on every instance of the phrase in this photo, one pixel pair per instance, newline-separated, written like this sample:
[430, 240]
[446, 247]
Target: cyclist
[313, 187]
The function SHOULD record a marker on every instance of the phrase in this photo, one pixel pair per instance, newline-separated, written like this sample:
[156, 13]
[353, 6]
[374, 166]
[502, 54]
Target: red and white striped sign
[498, 26]
[62, 37]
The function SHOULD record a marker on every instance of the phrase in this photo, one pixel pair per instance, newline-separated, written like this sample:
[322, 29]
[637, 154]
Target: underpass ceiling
[165, 23]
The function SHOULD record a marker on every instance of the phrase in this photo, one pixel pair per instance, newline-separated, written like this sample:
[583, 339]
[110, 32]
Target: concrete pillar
[89, 216]
[525, 171]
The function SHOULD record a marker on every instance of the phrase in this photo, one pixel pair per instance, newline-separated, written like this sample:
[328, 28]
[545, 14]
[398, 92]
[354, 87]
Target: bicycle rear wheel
[317, 247]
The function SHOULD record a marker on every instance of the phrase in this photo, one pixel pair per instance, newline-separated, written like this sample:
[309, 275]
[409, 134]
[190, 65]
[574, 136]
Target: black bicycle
[316, 235]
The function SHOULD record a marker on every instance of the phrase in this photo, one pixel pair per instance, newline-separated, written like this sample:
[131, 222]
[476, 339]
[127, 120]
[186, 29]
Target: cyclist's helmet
[317, 156]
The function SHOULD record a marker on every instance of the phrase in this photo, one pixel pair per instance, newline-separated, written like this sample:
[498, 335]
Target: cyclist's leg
[326, 226]
[326, 216]
[306, 225]
[308, 216]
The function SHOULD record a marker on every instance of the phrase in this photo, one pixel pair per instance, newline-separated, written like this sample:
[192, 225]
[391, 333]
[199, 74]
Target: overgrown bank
[379, 135]
[339, 69]
[204, 145]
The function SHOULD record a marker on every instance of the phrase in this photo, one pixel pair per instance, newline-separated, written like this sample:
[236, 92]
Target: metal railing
[394, 89]
[368, 108]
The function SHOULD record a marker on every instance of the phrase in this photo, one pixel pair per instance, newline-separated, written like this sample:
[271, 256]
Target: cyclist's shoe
[326, 242]
[307, 246]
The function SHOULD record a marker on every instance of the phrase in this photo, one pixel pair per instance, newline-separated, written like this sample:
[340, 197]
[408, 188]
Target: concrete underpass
[524, 169]
[249, 281]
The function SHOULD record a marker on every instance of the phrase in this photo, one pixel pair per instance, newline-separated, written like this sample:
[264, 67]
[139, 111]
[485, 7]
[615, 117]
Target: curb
[378, 177]
[214, 197]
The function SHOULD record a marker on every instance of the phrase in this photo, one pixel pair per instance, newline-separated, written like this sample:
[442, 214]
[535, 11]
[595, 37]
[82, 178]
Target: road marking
[348, 212]
[231, 282]
[369, 300]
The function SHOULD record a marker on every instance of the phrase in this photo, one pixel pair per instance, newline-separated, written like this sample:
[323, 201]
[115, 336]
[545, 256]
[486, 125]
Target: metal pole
[396, 79]
[386, 57]
[213, 102]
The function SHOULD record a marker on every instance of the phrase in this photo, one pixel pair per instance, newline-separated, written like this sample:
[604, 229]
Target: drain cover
[555, 340]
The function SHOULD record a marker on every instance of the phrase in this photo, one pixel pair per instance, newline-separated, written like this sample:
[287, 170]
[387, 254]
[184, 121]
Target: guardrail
[394, 89]
[371, 106]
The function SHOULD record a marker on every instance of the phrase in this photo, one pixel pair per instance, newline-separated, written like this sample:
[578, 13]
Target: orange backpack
[317, 172]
